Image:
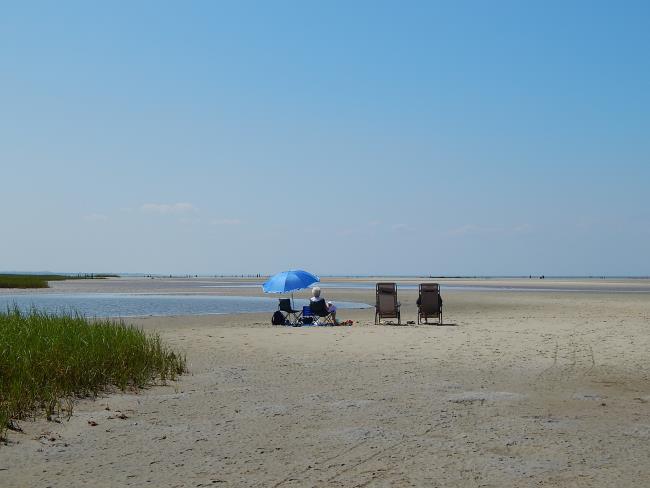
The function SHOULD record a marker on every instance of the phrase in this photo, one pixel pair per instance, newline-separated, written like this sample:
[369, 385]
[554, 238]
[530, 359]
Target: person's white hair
[315, 291]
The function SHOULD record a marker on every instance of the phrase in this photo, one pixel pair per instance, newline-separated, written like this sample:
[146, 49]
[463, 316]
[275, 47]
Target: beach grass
[48, 360]
[41, 281]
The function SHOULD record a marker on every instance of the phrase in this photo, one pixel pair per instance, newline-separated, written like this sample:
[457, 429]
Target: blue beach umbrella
[289, 281]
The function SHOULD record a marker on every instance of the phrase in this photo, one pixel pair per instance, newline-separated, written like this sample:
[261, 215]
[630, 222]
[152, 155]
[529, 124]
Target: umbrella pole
[292, 301]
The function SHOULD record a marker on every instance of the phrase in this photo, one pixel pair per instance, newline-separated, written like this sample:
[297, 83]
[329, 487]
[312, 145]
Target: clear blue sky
[487, 138]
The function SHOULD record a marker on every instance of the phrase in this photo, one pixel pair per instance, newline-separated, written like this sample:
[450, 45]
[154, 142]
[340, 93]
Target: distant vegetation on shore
[40, 281]
[48, 360]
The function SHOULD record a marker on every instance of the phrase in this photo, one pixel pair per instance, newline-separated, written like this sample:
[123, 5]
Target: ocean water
[138, 305]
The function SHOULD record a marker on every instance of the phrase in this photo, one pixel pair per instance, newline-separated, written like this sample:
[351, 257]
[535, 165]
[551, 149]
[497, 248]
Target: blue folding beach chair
[307, 316]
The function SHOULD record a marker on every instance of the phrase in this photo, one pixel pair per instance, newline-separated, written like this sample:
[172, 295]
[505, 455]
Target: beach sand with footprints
[517, 388]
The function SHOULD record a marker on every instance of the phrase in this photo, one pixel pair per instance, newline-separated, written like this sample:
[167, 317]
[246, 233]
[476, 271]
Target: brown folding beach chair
[387, 306]
[429, 303]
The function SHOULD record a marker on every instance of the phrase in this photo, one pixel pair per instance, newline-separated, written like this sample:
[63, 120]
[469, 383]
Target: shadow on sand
[411, 323]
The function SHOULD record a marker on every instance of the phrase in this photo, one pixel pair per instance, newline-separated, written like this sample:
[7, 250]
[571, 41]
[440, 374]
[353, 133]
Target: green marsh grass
[27, 281]
[40, 281]
[47, 360]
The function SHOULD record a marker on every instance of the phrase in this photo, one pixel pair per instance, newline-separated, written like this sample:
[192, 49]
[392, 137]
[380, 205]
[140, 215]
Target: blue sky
[473, 138]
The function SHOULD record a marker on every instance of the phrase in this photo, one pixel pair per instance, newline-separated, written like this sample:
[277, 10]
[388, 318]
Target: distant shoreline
[351, 276]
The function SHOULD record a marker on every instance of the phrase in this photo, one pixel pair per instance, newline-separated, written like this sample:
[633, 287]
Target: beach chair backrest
[285, 305]
[387, 298]
[429, 298]
[319, 308]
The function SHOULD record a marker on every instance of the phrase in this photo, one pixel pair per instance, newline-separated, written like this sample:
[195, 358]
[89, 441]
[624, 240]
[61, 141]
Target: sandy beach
[165, 163]
[518, 388]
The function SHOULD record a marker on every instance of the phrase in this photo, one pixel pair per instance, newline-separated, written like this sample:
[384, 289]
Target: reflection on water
[134, 305]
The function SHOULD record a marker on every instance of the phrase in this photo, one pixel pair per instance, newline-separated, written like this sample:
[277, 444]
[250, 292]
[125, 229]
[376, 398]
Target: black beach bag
[278, 318]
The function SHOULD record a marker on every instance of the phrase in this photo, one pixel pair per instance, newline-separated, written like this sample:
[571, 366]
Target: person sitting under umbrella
[315, 297]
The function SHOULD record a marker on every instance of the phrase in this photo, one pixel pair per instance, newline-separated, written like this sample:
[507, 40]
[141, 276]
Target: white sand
[518, 389]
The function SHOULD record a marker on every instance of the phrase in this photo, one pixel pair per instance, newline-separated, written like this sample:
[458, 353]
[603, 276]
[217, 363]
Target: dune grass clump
[46, 360]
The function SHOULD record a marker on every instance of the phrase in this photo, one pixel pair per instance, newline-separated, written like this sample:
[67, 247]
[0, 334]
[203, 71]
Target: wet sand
[518, 388]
